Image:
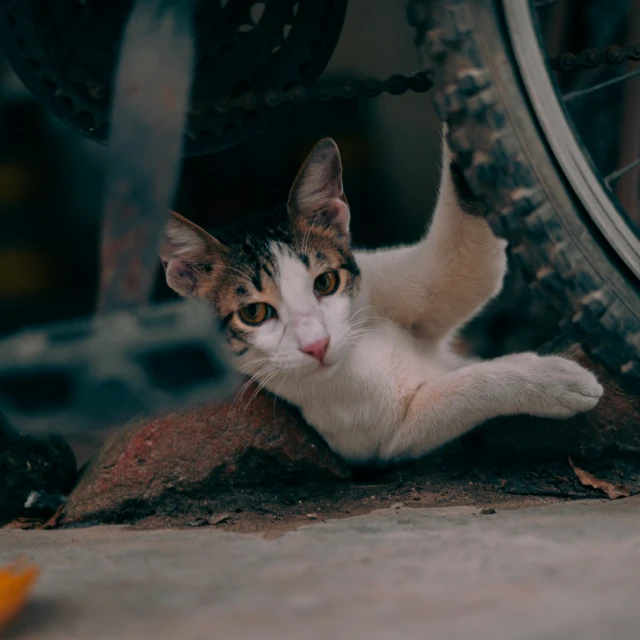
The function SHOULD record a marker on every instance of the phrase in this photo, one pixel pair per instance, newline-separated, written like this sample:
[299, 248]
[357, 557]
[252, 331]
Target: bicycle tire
[508, 164]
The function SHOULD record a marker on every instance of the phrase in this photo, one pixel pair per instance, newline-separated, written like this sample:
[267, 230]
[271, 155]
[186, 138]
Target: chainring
[65, 52]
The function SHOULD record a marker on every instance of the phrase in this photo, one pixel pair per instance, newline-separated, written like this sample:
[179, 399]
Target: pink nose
[317, 349]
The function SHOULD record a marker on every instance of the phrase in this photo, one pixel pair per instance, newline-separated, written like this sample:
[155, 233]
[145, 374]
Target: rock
[144, 467]
[612, 427]
[168, 464]
[30, 465]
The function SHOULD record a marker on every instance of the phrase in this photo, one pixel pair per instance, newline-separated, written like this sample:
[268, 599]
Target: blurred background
[51, 181]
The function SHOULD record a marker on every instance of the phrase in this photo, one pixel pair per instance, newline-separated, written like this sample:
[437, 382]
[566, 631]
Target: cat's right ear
[188, 255]
[317, 194]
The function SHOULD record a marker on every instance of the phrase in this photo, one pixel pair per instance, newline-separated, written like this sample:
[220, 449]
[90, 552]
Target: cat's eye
[256, 313]
[326, 283]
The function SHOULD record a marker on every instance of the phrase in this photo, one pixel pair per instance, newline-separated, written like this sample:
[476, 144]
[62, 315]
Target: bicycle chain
[591, 58]
[397, 84]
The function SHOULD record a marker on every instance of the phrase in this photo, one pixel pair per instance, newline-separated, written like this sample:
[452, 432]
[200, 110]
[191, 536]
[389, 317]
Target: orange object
[16, 582]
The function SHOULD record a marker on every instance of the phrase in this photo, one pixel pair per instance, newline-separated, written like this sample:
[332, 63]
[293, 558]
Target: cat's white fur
[391, 386]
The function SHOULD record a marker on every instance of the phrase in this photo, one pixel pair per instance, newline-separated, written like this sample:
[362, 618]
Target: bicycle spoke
[615, 175]
[602, 85]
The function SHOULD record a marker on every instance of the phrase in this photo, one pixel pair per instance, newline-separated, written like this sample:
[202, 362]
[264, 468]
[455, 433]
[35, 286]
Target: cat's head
[284, 292]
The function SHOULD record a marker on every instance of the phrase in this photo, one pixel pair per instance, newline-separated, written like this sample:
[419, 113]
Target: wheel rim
[587, 182]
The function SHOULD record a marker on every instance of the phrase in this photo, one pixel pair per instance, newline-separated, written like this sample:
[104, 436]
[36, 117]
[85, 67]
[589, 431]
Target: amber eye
[326, 283]
[257, 313]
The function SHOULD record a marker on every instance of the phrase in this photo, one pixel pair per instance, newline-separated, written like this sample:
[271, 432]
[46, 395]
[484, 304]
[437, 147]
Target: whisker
[261, 386]
[353, 337]
[358, 334]
[252, 397]
[359, 323]
[238, 397]
[367, 319]
[276, 394]
[361, 310]
[247, 384]
[363, 327]
[245, 367]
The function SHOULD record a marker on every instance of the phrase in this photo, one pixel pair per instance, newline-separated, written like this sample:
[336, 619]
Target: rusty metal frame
[132, 359]
[145, 148]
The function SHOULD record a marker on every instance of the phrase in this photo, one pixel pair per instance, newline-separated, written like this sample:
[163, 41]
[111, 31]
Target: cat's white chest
[362, 403]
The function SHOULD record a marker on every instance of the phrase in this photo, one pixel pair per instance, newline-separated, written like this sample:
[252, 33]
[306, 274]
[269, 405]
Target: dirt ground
[275, 510]
[444, 482]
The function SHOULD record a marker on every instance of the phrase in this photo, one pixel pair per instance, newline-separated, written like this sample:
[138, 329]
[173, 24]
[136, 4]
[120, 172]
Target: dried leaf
[53, 521]
[589, 480]
[219, 519]
[199, 522]
[23, 523]
[16, 582]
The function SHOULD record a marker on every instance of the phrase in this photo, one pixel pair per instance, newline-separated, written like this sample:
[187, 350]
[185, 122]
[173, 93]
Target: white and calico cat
[361, 342]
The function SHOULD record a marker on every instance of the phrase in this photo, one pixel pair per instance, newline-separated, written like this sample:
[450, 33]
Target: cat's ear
[317, 192]
[188, 253]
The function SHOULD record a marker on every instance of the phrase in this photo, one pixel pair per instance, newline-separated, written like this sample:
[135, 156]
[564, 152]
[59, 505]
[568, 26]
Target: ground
[557, 570]
[279, 508]
[265, 534]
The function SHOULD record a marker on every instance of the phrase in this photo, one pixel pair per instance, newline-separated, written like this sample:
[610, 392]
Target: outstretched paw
[566, 388]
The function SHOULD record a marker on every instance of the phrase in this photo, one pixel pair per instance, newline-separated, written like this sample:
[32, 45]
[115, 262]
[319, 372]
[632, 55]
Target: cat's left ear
[188, 254]
[317, 193]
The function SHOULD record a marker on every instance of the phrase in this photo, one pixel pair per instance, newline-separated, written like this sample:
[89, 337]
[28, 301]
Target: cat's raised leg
[524, 383]
[439, 284]
[465, 262]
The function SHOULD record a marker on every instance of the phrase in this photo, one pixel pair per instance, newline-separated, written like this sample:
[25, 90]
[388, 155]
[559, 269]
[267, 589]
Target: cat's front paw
[565, 387]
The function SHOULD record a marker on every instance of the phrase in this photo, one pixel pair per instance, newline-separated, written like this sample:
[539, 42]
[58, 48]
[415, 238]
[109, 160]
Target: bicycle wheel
[521, 154]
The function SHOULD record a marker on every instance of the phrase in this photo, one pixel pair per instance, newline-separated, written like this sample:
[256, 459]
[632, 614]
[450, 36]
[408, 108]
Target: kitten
[361, 342]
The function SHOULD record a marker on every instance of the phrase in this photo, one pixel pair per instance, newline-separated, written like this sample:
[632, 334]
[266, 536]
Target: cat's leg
[439, 284]
[523, 383]
[465, 262]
